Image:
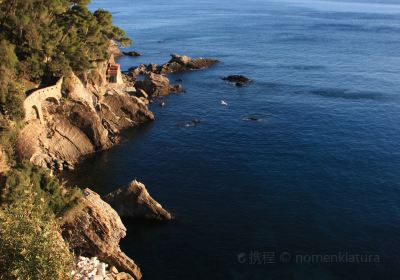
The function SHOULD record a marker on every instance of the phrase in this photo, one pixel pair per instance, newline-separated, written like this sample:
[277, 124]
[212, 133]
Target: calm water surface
[319, 174]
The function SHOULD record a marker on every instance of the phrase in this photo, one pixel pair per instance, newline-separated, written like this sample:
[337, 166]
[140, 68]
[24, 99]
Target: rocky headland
[82, 117]
[95, 229]
[88, 118]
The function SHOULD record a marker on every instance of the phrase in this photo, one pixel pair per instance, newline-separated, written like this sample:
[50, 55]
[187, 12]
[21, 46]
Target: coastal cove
[317, 174]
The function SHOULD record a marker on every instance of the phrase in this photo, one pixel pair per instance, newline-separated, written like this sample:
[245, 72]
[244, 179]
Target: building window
[112, 79]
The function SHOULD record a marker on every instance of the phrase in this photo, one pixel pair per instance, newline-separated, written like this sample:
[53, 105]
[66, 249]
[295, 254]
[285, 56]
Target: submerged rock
[239, 80]
[176, 88]
[94, 228]
[134, 201]
[255, 119]
[191, 123]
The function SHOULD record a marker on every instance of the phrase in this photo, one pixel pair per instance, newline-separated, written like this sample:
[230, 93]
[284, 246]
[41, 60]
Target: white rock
[101, 269]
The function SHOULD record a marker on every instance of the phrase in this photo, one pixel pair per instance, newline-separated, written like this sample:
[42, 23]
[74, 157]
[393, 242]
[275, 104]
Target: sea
[298, 176]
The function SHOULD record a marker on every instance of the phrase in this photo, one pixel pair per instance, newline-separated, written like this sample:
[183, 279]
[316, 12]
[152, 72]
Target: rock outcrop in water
[134, 201]
[177, 63]
[156, 84]
[181, 63]
[238, 80]
[95, 229]
[132, 53]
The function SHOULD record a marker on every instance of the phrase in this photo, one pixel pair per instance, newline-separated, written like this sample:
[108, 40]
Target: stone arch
[33, 103]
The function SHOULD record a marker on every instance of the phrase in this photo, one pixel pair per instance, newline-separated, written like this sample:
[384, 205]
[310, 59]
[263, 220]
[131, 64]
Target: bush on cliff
[31, 246]
[26, 176]
[11, 97]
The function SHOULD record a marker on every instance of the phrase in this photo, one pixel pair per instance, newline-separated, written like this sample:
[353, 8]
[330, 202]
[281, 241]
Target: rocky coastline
[88, 118]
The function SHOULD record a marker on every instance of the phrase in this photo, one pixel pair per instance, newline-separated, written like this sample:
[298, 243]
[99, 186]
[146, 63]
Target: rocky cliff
[94, 229]
[87, 119]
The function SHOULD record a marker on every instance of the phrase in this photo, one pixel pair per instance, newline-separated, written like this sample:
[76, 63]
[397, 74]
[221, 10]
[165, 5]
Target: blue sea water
[318, 175]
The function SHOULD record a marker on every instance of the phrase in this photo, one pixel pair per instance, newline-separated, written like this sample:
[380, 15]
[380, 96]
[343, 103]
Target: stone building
[114, 75]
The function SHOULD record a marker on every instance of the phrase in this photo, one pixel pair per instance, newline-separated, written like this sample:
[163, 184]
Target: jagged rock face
[74, 129]
[134, 201]
[78, 92]
[123, 111]
[95, 229]
[90, 124]
[59, 142]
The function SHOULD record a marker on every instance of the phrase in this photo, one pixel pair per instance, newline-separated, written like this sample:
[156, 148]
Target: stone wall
[33, 103]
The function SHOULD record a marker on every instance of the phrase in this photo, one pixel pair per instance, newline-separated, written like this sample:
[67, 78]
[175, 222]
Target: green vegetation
[43, 39]
[47, 188]
[31, 246]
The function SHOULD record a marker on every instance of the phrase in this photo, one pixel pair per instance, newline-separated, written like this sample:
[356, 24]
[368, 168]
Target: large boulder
[134, 201]
[154, 84]
[93, 228]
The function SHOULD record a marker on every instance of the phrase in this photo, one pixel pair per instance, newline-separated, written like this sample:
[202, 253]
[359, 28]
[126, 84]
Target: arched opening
[52, 100]
[35, 113]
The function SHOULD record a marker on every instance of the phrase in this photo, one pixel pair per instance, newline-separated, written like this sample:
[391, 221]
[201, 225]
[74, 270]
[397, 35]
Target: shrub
[25, 176]
[31, 246]
[8, 139]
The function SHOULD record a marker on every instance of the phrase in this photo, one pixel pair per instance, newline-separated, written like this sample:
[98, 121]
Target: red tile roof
[112, 69]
